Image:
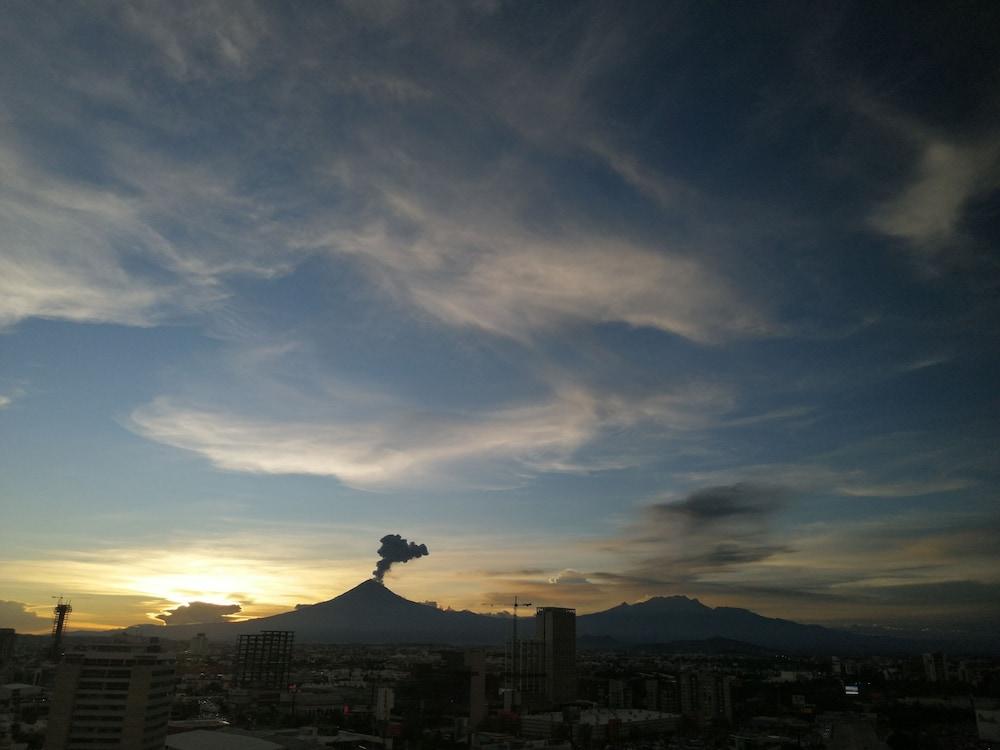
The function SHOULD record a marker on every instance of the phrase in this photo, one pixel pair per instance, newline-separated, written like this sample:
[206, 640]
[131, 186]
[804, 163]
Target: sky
[598, 301]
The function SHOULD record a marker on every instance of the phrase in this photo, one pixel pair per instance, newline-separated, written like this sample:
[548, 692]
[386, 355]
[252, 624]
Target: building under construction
[541, 671]
[263, 660]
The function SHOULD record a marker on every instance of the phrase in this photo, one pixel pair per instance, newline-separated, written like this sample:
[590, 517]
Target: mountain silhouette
[368, 613]
[678, 618]
[371, 613]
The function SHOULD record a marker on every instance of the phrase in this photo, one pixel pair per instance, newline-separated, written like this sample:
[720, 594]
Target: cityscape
[538, 683]
[499, 375]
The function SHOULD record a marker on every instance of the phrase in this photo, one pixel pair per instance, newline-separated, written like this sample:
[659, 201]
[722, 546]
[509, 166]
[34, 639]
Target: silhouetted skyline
[599, 302]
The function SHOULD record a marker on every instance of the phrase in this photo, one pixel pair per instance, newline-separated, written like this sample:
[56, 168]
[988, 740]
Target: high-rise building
[475, 661]
[263, 660]
[555, 629]
[115, 694]
[706, 696]
[198, 645]
[936, 667]
[7, 639]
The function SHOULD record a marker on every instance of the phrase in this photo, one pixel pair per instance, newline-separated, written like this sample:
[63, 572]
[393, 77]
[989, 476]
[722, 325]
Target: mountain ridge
[372, 613]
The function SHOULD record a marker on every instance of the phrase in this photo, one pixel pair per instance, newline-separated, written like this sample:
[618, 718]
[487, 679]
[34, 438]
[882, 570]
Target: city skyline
[598, 303]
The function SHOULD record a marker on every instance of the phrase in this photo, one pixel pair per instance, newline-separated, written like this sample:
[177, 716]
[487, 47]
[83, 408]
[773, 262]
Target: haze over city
[592, 302]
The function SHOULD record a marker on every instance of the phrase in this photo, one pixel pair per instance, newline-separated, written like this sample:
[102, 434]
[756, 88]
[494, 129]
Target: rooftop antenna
[60, 614]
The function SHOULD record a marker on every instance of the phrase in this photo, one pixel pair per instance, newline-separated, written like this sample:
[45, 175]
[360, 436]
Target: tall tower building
[555, 629]
[112, 695]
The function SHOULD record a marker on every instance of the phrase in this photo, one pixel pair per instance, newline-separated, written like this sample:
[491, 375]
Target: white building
[114, 694]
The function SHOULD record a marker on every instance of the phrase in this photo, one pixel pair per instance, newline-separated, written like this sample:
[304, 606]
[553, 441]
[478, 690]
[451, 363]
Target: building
[202, 739]
[452, 689]
[385, 699]
[525, 681]
[113, 694]
[619, 693]
[706, 696]
[475, 662]
[599, 725]
[7, 639]
[263, 660]
[555, 629]
[199, 645]
[935, 667]
[988, 723]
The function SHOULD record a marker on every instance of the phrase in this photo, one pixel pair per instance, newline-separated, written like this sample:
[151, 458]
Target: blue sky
[599, 302]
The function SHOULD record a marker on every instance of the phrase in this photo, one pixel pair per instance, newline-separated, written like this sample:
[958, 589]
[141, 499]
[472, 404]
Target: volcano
[371, 613]
[367, 613]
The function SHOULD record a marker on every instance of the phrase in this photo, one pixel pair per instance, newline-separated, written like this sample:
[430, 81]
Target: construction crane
[60, 614]
[512, 673]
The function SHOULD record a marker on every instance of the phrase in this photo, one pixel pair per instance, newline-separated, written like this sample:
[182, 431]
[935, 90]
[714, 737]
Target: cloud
[520, 285]
[948, 173]
[912, 488]
[464, 243]
[929, 209]
[385, 448]
[200, 612]
[438, 221]
[730, 553]
[57, 257]
[944, 604]
[715, 504]
[569, 577]
[4, 401]
[202, 40]
[713, 531]
[17, 615]
[886, 466]
[85, 252]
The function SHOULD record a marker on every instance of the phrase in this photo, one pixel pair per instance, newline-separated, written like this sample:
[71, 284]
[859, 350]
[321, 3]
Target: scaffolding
[263, 660]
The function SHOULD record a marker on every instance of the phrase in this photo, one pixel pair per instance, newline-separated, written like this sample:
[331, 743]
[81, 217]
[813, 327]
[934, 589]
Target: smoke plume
[395, 549]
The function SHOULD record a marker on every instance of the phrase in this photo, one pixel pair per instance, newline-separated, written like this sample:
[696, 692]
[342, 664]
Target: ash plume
[395, 549]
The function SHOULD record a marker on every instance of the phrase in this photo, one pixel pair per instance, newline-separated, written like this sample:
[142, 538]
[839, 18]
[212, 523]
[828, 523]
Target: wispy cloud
[516, 284]
[407, 446]
[201, 40]
[928, 210]
[86, 252]
[906, 488]
[947, 174]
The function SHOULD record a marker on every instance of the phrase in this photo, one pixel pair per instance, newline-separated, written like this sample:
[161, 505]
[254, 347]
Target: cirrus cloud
[374, 450]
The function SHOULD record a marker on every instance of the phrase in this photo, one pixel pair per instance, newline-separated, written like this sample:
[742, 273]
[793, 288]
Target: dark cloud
[962, 592]
[199, 613]
[17, 615]
[718, 529]
[735, 553]
[722, 503]
[622, 579]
